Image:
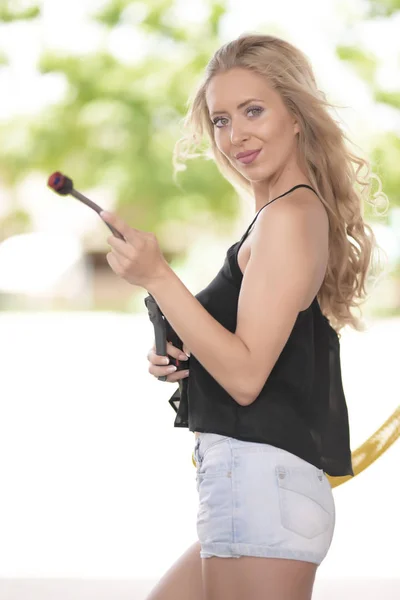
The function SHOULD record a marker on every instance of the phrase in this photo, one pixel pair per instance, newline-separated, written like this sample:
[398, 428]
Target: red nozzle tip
[60, 183]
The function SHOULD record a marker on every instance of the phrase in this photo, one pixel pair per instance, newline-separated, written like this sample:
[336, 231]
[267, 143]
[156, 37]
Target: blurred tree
[17, 220]
[385, 8]
[119, 120]
[385, 154]
[15, 10]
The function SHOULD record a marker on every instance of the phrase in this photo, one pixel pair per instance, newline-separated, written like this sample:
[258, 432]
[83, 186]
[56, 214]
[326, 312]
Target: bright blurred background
[98, 493]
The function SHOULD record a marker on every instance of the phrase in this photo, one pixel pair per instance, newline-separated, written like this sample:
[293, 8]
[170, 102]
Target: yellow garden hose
[370, 450]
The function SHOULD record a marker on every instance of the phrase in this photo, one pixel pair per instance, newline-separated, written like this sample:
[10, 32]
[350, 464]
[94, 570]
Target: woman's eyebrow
[239, 105]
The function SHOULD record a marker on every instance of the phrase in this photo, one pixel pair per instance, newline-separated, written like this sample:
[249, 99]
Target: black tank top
[302, 406]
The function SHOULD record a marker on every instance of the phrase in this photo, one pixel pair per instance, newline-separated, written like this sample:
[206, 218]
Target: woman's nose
[238, 135]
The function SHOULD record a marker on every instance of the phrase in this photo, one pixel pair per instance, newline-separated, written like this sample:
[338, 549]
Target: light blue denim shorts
[259, 500]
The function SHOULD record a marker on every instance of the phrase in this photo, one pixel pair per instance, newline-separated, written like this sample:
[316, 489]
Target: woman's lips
[249, 158]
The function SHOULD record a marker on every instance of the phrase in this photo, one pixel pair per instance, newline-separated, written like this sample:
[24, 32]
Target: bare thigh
[256, 578]
[183, 580]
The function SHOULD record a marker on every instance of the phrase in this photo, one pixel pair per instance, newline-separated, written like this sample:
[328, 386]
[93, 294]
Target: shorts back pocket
[305, 500]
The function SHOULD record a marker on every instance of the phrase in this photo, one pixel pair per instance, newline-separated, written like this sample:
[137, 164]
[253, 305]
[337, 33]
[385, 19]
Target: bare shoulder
[301, 199]
[309, 201]
[296, 225]
[301, 204]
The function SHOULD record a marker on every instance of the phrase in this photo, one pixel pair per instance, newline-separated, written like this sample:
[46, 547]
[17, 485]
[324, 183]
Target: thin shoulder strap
[270, 202]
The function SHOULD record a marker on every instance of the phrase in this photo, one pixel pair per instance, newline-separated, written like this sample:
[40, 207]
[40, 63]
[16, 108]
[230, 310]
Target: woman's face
[263, 123]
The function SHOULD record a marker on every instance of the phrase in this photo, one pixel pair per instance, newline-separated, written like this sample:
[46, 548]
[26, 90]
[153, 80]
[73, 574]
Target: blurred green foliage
[15, 10]
[383, 8]
[385, 154]
[119, 119]
[364, 63]
[118, 122]
[3, 59]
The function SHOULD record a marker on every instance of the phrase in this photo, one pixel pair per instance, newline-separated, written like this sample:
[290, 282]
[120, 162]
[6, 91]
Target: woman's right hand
[158, 367]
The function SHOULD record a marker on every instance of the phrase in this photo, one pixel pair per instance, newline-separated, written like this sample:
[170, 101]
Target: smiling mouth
[250, 157]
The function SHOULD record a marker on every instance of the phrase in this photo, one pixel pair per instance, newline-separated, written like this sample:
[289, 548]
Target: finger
[118, 223]
[178, 375]
[170, 377]
[172, 350]
[156, 359]
[158, 371]
[175, 352]
[120, 246]
[114, 263]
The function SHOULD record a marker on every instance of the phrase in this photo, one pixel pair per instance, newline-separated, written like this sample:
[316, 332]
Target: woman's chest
[243, 255]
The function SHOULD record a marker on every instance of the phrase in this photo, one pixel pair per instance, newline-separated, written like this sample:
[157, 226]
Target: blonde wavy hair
[332, 168]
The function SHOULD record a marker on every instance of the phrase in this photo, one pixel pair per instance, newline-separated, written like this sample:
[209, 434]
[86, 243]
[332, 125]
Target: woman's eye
[250, 109]
[217, 120]
[257, 108]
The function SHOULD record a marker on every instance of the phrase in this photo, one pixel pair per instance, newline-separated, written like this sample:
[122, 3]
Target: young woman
[264, 393]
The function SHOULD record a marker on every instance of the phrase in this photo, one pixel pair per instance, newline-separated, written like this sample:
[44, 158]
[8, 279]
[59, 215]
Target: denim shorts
[259, 500]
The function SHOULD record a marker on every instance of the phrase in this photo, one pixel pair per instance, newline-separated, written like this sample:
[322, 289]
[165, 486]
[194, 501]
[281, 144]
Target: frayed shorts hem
[224, 550]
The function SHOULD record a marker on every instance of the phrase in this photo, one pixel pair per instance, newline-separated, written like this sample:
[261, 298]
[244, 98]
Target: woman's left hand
[139, 259]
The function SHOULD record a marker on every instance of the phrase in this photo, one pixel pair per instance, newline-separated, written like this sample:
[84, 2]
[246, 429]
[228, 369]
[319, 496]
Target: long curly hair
[332, 168]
